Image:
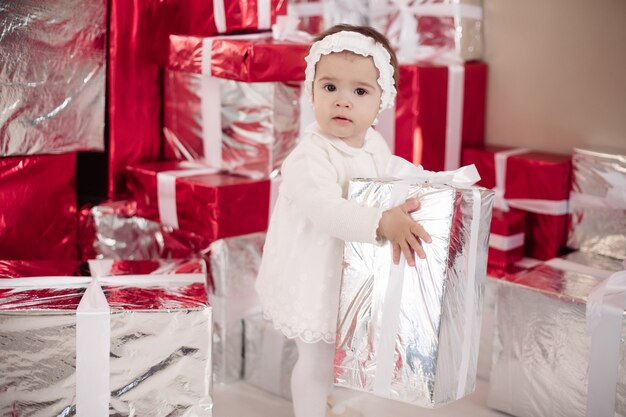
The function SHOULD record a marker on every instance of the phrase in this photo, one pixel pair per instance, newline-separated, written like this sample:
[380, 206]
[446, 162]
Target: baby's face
[346, 95]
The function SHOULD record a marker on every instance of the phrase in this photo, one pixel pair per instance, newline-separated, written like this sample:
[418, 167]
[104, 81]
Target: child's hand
[403, 232]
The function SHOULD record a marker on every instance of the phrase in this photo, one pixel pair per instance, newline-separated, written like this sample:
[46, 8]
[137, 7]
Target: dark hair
[370, 33]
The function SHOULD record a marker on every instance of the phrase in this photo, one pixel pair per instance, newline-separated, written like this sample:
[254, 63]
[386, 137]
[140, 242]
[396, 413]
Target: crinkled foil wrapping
[52, 76]
[234, 265]
[160, 346]
[429, 340]
[599, 230]
[486, 330]
[114, 231]
[541, 346]
[460, 36]
[260, 122]
[269, 357]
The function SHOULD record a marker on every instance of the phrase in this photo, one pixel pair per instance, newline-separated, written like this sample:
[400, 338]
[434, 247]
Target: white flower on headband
[359, 44]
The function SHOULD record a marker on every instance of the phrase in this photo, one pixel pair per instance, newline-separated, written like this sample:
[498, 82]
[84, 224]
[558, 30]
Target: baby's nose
[343, 103]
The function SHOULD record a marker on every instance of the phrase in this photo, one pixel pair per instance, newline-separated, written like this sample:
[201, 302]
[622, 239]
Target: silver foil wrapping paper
[486, 330]
[234, 265]
[269, 357]
[160, 350]
[52, 76]
[260, 122]
[598, 202]
[541, 345]
[435, 347]
[427, 29]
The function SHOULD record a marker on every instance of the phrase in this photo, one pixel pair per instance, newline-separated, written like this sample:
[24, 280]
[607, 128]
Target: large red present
[535, 182]
[198, 200]
[439, 110]
[38, 215]
[138, 44]
[506, 239]
[230, 104]
[86, 346]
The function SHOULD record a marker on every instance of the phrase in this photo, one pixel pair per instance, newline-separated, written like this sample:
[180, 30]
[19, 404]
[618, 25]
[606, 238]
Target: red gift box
[138, 45]
[422, 117]
[38, 216]
[210, 205]
[506, 240]
[249, 58]
[535, 182]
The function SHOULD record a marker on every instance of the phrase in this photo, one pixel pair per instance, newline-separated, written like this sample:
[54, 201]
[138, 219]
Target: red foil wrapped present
[229, 105]
[138, 45]
[535, 182]
[439, 110]
[38, 215]
[506, 240]
[210, 205]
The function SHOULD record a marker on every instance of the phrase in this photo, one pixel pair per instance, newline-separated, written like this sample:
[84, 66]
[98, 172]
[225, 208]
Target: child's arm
[310, 183]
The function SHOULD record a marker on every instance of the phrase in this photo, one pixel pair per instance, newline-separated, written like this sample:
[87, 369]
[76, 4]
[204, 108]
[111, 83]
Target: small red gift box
[210, 205]
[506, 240]
[439, 110]
[38, 215]
[535, 182]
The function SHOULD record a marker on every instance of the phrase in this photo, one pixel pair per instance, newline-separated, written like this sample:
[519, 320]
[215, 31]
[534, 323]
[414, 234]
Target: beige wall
[557, 73]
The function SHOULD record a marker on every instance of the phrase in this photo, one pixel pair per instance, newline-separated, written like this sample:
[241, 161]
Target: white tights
[312, 378]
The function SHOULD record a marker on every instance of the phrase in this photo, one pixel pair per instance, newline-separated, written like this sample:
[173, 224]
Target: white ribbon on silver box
[93, 327]
[605, 314]
[409, 174]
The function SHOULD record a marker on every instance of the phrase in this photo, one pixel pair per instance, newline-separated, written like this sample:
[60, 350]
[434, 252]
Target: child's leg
[311, 379]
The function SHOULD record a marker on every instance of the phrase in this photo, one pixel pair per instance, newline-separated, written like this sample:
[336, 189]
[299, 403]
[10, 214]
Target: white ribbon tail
[93, 340]
[605, 314]
[305, 9]
[264, 13]
[470, 295]
[219, 15]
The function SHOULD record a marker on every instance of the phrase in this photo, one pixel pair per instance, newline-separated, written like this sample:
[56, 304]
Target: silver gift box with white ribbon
[412, 334]
[542, 343]
[269, 357]
[233, 268]
[138, 347]
[598, 202]
[260, 122]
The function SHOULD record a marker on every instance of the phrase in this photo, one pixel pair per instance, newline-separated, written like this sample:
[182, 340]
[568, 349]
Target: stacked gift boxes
[52, 101]
[87, 339]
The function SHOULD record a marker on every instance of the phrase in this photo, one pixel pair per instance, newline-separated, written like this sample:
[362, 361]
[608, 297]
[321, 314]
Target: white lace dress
[299, 278]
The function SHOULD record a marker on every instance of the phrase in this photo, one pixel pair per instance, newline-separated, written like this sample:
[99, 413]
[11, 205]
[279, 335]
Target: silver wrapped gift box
[233, 268]
[52, 76]
[431, 30]
[148, 355]
[542, 345]
[269, 357]
[260, 122]
[598, 202]
[412, 334]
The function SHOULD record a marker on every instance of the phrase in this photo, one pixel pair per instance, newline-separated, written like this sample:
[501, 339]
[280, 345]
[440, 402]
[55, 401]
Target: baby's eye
[330, 87]
[360, 91]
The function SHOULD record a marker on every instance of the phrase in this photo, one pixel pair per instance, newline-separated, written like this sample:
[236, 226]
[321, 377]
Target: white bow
[402, 169]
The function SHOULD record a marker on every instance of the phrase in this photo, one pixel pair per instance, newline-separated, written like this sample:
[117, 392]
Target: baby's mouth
[342, 119]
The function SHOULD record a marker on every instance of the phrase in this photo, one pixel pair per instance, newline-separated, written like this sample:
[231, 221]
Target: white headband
[361, 45]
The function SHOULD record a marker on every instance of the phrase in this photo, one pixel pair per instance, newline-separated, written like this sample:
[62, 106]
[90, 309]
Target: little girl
[351, 75]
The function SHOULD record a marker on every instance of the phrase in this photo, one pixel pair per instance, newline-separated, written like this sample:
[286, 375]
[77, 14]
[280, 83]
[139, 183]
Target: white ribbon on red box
[411, 174]
[552, 207]
[93, 326]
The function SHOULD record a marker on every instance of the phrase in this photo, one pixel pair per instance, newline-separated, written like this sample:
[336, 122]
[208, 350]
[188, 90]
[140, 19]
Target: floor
[243, 400]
